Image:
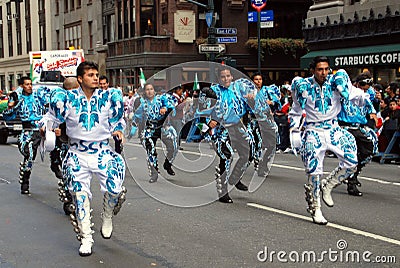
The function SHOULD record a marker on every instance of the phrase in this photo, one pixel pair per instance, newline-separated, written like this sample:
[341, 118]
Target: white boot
[84, 223]
[334, 179]
[318, 218]
[313, 200]
[111, 205]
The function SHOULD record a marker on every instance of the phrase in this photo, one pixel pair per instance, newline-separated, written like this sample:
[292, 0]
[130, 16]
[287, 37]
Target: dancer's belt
[90, 147]
[351, 125]
[327, 124]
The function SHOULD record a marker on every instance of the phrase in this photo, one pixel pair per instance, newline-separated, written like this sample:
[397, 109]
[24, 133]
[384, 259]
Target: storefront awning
[357, 57]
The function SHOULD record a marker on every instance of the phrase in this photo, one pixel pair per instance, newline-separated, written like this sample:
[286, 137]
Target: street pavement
[266, 228]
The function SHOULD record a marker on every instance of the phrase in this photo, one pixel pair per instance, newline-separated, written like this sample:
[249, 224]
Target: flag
[196, 85]
[203, 127]
[142, 79]
[36, 56]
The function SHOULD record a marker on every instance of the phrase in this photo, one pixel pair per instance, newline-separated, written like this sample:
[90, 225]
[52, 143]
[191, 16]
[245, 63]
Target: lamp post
[210, 18]
[258, 5]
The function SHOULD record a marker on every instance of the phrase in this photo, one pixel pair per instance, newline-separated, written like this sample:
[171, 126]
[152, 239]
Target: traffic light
[227, 61]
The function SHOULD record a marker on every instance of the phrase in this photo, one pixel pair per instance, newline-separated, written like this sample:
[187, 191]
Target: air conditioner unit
[9, 78]
[18, 76]
[1, 22]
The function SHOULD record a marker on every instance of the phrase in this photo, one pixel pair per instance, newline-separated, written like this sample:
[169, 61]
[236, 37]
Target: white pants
[316, 141]
[85, 159]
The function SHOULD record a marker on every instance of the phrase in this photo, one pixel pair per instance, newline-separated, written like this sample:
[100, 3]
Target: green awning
[357, 56]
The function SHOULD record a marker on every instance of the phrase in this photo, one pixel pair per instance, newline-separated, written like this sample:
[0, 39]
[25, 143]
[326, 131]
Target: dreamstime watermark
[340, 254]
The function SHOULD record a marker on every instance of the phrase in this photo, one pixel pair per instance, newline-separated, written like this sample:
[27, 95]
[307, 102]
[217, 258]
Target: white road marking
[4, 180]
[360, 177]
[333, 225]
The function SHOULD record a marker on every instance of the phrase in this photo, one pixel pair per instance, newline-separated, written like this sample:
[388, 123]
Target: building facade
[27, 25]
[156, 34]
[126, 35]
[78, 24]
[356, 35]
[24, 26]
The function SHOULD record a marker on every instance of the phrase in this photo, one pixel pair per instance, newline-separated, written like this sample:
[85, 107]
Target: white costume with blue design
[89, 124]
[322, 132]
[322, 104]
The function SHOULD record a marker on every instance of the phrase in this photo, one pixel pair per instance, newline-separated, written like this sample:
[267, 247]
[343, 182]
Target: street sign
[267, 24]
[211, 48]
[258, 4]
[226, 31]
[209, 18]
[267, 15]
[231, 39]
[252, 16]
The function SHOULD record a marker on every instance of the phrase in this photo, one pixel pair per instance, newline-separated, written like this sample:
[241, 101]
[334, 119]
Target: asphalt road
[267, 228]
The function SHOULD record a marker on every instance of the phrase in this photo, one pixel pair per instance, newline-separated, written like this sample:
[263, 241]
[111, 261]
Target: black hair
[393, 87]
[21, 81]
[363, 76]
[84, 66]
[317, 60]
[223, 68]
[257, 74]
[103, 77]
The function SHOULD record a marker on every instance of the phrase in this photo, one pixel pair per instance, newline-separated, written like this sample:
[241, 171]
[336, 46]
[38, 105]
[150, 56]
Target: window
[147, 18]
[41, 5]
[57, 7]
[119, 18]
[58, 39]
[73, 36]
[1, 36]
[71, 4]
[164, 16]
[19, 41]
[9, 31]
[18, 27]
[3, 82]
[109, 28]
[65, 6]
[90, 34]
[133, 18]
[42, 36]
[42, 25]
[126, 21]
[28, 25]
[78, 3]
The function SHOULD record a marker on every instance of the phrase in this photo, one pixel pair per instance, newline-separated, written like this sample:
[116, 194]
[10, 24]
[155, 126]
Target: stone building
[24, 26]
[27, 25]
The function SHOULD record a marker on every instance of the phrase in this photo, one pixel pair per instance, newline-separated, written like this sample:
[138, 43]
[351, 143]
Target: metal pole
[210, 8]
[258, 40]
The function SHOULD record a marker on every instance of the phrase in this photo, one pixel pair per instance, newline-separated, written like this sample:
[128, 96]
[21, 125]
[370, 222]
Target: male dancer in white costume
[319, 97]
[92, 115]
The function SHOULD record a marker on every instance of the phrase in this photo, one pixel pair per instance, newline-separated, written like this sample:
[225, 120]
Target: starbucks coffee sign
[367, 59]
